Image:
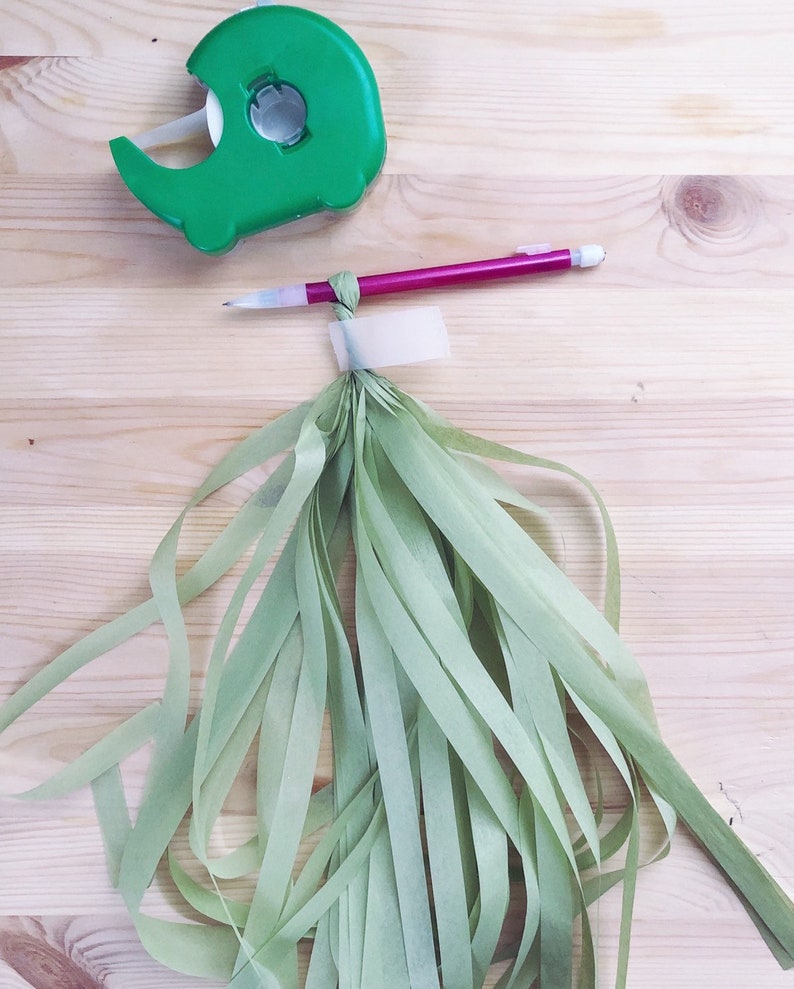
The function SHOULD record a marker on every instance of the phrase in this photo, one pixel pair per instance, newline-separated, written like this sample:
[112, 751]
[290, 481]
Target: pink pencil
[530, 261]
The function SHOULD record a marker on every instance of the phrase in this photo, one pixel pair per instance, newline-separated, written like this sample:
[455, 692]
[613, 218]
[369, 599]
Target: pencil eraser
[588, 256]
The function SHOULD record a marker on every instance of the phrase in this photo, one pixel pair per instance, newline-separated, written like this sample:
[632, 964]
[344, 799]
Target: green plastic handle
[249, 182]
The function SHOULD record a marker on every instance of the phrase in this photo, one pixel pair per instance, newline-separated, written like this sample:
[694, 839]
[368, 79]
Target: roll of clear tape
[209, 119]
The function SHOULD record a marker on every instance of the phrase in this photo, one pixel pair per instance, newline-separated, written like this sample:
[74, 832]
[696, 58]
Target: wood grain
[665, 131]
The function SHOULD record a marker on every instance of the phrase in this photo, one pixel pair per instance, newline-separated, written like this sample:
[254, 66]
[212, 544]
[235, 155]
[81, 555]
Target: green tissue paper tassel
[475, 714]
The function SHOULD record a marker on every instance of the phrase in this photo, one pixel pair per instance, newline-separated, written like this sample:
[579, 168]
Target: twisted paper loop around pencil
[474, 715]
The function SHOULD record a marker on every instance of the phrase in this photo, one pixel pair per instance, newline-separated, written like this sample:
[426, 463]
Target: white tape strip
[404, 337]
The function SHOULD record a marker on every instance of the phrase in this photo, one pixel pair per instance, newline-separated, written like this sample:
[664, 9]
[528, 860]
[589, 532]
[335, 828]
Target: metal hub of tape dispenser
[294, 113]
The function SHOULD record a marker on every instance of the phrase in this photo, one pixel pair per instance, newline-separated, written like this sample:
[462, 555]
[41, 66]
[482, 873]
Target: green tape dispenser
[294, 113]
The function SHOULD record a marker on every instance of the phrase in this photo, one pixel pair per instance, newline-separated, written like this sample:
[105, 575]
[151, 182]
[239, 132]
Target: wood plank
[682, 231]
[66, 27]
[663, 131]
[619, 361]
[701, 90]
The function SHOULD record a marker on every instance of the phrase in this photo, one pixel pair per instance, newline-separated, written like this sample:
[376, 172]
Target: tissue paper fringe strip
[481, 690]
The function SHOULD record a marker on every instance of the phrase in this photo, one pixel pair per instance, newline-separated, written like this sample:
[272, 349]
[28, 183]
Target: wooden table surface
[663, 130]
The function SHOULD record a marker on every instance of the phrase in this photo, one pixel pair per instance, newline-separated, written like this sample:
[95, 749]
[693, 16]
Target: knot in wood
[41, 965]
[712, 209]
